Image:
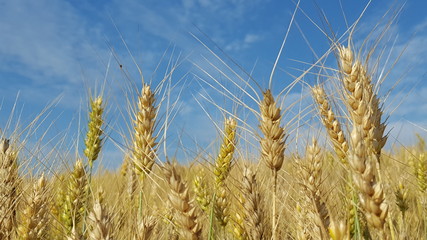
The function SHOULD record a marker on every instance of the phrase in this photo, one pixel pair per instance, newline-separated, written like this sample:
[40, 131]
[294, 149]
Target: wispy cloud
[47, 48]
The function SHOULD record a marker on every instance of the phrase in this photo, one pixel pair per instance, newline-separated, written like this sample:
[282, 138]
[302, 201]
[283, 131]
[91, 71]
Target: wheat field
[342, 184]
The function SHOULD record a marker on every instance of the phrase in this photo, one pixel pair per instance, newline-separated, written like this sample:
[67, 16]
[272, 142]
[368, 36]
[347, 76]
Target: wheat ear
[331, 123]
[35, 217]
[239, 231]
[366, 110]
[100, 220]
[418, 162]
[272, 144]
[93, 141]
[145, 228]
[202, 194]
[371, 193]
[252, 206]
[8, 189]
[338, 230]
[312, 180]
[179, 198]
[75, 201]
[222, 169]
[144, 144]
[367, 136]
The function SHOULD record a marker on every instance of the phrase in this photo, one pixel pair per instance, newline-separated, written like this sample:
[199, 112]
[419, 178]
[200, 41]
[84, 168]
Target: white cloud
[242, 44]
[251, 38]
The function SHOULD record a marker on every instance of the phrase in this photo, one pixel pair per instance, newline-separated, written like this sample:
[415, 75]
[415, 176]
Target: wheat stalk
[366, 110]
[418, 162]
[239, 232]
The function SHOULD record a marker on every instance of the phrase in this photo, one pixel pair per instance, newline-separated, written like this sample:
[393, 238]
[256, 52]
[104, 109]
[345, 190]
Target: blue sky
[51, 49]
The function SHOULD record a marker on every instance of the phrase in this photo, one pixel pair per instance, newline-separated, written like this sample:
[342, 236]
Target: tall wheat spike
[312, 180]
[272, 144]
[367, 137]
[93, 141]
[75, 201]
[144, 143]
[35, 217]
[186, 215]
[253, 212]
[8, 189]
[371, 193]
[331, 123]
[222, 169]
[366, 110]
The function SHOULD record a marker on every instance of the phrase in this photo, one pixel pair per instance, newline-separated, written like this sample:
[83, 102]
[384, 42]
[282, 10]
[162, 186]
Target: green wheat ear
[93, 140]
[222, 170]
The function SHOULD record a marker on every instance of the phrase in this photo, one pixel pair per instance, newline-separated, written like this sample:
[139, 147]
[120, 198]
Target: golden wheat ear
[272, 144]
[179, 198]
[311, 173]
[8, 189]
[74, 207]
[371, 193]
[331, 123]
[146, 228]
[254, 214]
[144, 144]
[338, 230]
[35, 217]
[100, 222]
[367, 138]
